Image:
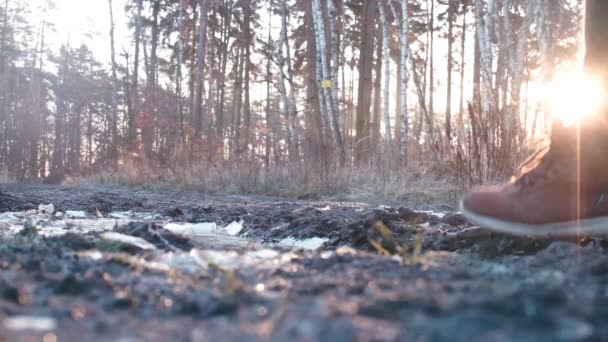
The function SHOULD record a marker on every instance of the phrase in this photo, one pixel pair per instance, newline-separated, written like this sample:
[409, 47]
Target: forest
[303, 170]
[283, 90]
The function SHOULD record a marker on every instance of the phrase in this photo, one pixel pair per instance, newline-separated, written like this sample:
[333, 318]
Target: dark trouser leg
[596, 38]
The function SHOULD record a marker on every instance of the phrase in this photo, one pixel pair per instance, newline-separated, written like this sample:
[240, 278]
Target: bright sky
[87, 21]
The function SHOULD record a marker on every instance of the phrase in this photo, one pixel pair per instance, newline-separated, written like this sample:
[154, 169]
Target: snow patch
[129, 240]
[32, 323]
[309, 244]
[234, 228]
[76, 214]
[434, 213]
[192, 229]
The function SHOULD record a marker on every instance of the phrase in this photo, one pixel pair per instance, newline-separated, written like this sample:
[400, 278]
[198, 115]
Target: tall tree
[114, 120]
[366, 53]
[387, 74]
[332, 108]
[196, 108]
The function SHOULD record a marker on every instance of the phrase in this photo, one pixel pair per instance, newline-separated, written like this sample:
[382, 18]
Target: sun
[575, 97]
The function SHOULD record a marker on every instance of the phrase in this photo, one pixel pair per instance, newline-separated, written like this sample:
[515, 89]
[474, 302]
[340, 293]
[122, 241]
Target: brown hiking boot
[562, 190]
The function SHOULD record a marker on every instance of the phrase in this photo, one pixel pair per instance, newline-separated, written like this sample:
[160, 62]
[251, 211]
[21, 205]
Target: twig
[162, 238]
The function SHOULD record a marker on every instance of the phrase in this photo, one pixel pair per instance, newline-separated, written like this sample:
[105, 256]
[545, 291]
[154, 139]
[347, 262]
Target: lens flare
[575, 97]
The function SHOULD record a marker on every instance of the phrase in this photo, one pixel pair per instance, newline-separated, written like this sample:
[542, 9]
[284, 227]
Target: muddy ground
[383, 274]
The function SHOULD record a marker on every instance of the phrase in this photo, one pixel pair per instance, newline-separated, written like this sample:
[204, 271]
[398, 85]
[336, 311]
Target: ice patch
[46, 209]
[309, 244]
[76, 214]
[33, 323]
[11, 217]
[192, 229]
[279, 227]
[434, 213]
[199, 260]
[129, 240]
[137, 216]
[121, 215]
[234, 228]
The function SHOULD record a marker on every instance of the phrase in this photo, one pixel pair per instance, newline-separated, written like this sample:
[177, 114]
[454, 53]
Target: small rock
[573, 329]
[174, 212]
[454, 220]
[46, 209]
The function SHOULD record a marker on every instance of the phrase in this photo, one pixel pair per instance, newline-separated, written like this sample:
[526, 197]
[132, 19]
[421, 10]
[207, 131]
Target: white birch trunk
[320, 35]
[319, 75]
[387, 74]
[335, 58]
[404, 81]
[483, 20]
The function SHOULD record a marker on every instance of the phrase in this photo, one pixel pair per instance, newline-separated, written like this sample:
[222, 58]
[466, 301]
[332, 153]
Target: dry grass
[5, 178]
[416, 184]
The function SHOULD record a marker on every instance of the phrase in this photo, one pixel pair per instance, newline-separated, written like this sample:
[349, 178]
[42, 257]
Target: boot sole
[591, 226]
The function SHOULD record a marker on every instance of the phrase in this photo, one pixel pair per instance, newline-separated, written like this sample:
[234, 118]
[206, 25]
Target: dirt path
[448, 280]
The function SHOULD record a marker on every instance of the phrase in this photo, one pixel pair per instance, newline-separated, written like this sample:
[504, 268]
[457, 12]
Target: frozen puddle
[217, 246]
[49, 223]
[201, 260]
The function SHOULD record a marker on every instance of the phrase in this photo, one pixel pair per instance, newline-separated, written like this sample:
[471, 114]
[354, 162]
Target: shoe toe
[487, 201]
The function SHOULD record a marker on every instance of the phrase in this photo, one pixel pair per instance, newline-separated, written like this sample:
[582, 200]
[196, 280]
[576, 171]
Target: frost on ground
[112, 264]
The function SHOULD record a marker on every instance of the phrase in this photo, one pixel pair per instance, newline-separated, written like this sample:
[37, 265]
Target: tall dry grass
[417, 183]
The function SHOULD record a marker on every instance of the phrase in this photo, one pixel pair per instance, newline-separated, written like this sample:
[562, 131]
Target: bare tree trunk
[114, 123]
[248, 67]
[462, 68]
[425, 113]
[4, 33]
[178, 76]
[517, 61]
[397, 128]
[237, 101]
[387, 76]
[148, 129]
[284, 81]
[362, 143]
[329, 102]
[431, 28]
[377, 104]
[132, 133]
[293, 112]
[335, 58]
[448, 107]
[315, 121]
[544, 38]
[404, 80]
[58, 165]
[484, 26]
[319, 85]
[196, 107]
[219, 121]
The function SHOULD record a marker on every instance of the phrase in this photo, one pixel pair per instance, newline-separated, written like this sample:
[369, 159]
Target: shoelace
[534, 168]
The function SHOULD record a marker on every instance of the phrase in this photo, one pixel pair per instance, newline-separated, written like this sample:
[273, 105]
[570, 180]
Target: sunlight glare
[575, 97]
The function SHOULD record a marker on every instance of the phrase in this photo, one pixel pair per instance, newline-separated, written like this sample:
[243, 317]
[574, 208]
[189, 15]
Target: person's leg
[596, 38]
[564, 189]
